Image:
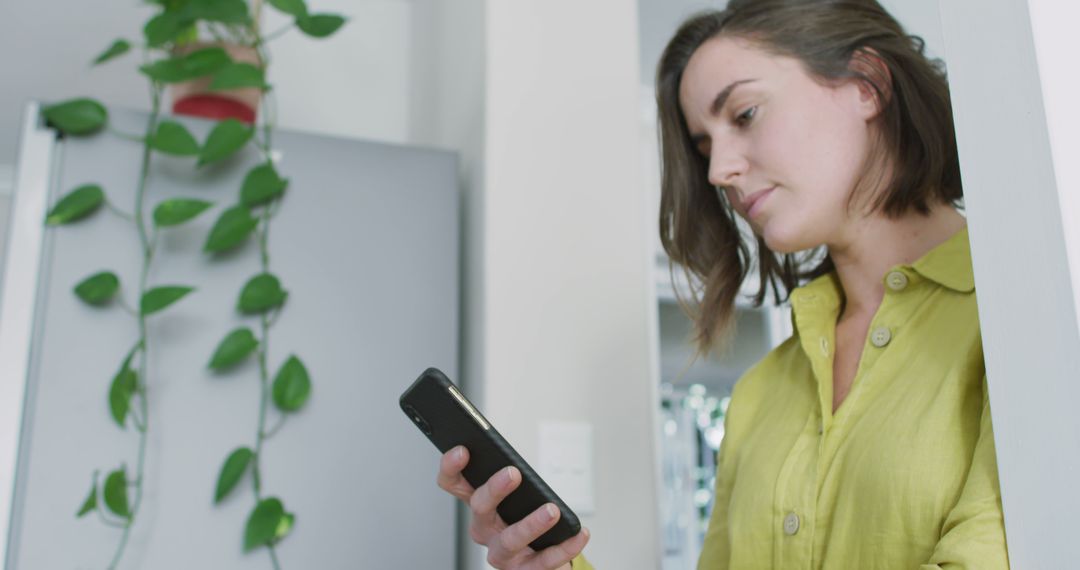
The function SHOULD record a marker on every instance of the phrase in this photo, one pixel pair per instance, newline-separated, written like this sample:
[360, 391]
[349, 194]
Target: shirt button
[896, 281]
[881, 336]
[791, 524]
[824, 346]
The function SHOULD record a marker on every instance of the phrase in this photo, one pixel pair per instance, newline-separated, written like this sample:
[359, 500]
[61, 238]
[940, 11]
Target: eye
[744, 119]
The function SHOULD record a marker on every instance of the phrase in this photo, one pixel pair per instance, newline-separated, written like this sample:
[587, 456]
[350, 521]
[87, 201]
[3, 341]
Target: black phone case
[447, 422]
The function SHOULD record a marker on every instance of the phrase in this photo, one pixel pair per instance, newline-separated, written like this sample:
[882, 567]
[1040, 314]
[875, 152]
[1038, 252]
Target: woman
[864, 441]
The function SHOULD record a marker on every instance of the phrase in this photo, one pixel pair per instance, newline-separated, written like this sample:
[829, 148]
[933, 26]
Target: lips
[755, 199]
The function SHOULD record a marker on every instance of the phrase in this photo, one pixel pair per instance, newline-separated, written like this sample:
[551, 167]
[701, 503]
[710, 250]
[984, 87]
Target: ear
[871, 72]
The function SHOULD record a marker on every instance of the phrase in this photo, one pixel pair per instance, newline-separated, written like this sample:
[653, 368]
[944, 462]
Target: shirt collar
[949, 264]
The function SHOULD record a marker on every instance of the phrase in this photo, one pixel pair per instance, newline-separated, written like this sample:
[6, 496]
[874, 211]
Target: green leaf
[99, 288]
[231, 472]
[188, 35]
[236, 346]
[91, 500]
[262, 184]
[296, 8]
[205, 61]
[196, 64]
[75, 205]
[237, 75]
[116, 493]
[224, 11]
[320, 25]
[165, 27]
[172, 138]
[131, 354]
[284, 527]
[158, 298]
[261, 293]
[77, 116]
[227, 137]
[292, 386]
[263, 523]
[165, 71]
[232, 228]
[178, 211]
[123, 388]
[118, 47]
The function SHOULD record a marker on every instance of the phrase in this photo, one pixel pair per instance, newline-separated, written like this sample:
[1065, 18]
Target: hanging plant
[127, 397]
[232, 66]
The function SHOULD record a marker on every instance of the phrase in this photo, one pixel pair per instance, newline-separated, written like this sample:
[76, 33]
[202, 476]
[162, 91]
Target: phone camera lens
[418, 420]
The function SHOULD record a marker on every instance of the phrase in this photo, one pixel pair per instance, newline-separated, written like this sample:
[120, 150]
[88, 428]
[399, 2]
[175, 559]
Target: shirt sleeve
[579, 563]
[973, 536]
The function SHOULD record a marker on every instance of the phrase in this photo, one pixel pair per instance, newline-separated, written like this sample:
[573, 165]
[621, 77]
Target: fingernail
[459, 453]
[551, 511]
[509, 475]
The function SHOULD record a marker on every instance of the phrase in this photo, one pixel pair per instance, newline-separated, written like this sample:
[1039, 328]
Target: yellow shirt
[903, 476]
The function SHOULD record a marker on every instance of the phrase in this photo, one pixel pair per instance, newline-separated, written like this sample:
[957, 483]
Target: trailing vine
[171, 33]
[128, 392]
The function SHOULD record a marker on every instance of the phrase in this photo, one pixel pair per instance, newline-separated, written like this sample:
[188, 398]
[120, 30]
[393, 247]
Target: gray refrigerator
[366, 243]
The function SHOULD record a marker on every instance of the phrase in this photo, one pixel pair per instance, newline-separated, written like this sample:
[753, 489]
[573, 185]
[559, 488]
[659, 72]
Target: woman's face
[787, 150]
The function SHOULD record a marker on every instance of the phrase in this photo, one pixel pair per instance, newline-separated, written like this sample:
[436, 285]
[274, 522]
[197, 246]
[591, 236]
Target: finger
[490, 494]
[558, 555]
[519, 535]
[450, 479]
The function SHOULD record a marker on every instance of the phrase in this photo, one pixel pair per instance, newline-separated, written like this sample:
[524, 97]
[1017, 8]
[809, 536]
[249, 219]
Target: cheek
[815, 141]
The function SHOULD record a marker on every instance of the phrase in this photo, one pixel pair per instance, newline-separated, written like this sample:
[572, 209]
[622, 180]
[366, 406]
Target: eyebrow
[719, 102]
[722, 97]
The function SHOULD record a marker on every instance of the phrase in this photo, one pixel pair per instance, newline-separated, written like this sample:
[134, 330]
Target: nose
[727, 164]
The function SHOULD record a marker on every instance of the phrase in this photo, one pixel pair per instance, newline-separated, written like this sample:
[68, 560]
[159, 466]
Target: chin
[783, 239]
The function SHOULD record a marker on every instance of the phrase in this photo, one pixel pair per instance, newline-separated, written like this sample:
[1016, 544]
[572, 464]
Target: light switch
[566, 462]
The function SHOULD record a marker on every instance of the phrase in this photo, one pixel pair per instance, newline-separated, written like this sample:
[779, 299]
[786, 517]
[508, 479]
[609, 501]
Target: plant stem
[148, 257]
[270, 433]
[112, 207]
[106, 520]
[273, 35]
[263, 232]
[127, 308]
[256, 17]
[264, 384]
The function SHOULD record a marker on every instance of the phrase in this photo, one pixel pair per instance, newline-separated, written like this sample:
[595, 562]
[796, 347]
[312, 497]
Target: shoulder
[770, 372]
[783, 372]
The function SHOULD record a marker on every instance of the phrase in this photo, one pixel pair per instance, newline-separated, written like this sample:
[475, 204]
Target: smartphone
[448, 419]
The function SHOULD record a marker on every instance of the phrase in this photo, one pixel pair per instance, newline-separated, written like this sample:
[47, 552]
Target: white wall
[568, 296]
[352, 84]
[447, 99]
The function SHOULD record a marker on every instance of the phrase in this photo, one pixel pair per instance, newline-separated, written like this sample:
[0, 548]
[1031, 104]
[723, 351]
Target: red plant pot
[193, 98]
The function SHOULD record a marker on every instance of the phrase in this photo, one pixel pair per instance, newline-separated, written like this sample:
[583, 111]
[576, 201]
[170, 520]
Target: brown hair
[698, 229]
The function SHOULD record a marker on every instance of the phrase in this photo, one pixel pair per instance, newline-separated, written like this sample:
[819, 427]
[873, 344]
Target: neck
[873, 245]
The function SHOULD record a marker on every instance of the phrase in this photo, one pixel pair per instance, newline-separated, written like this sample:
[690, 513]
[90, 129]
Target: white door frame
[1013, 79]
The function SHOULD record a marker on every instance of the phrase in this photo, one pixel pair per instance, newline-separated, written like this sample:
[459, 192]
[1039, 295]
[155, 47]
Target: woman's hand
[508, 546]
